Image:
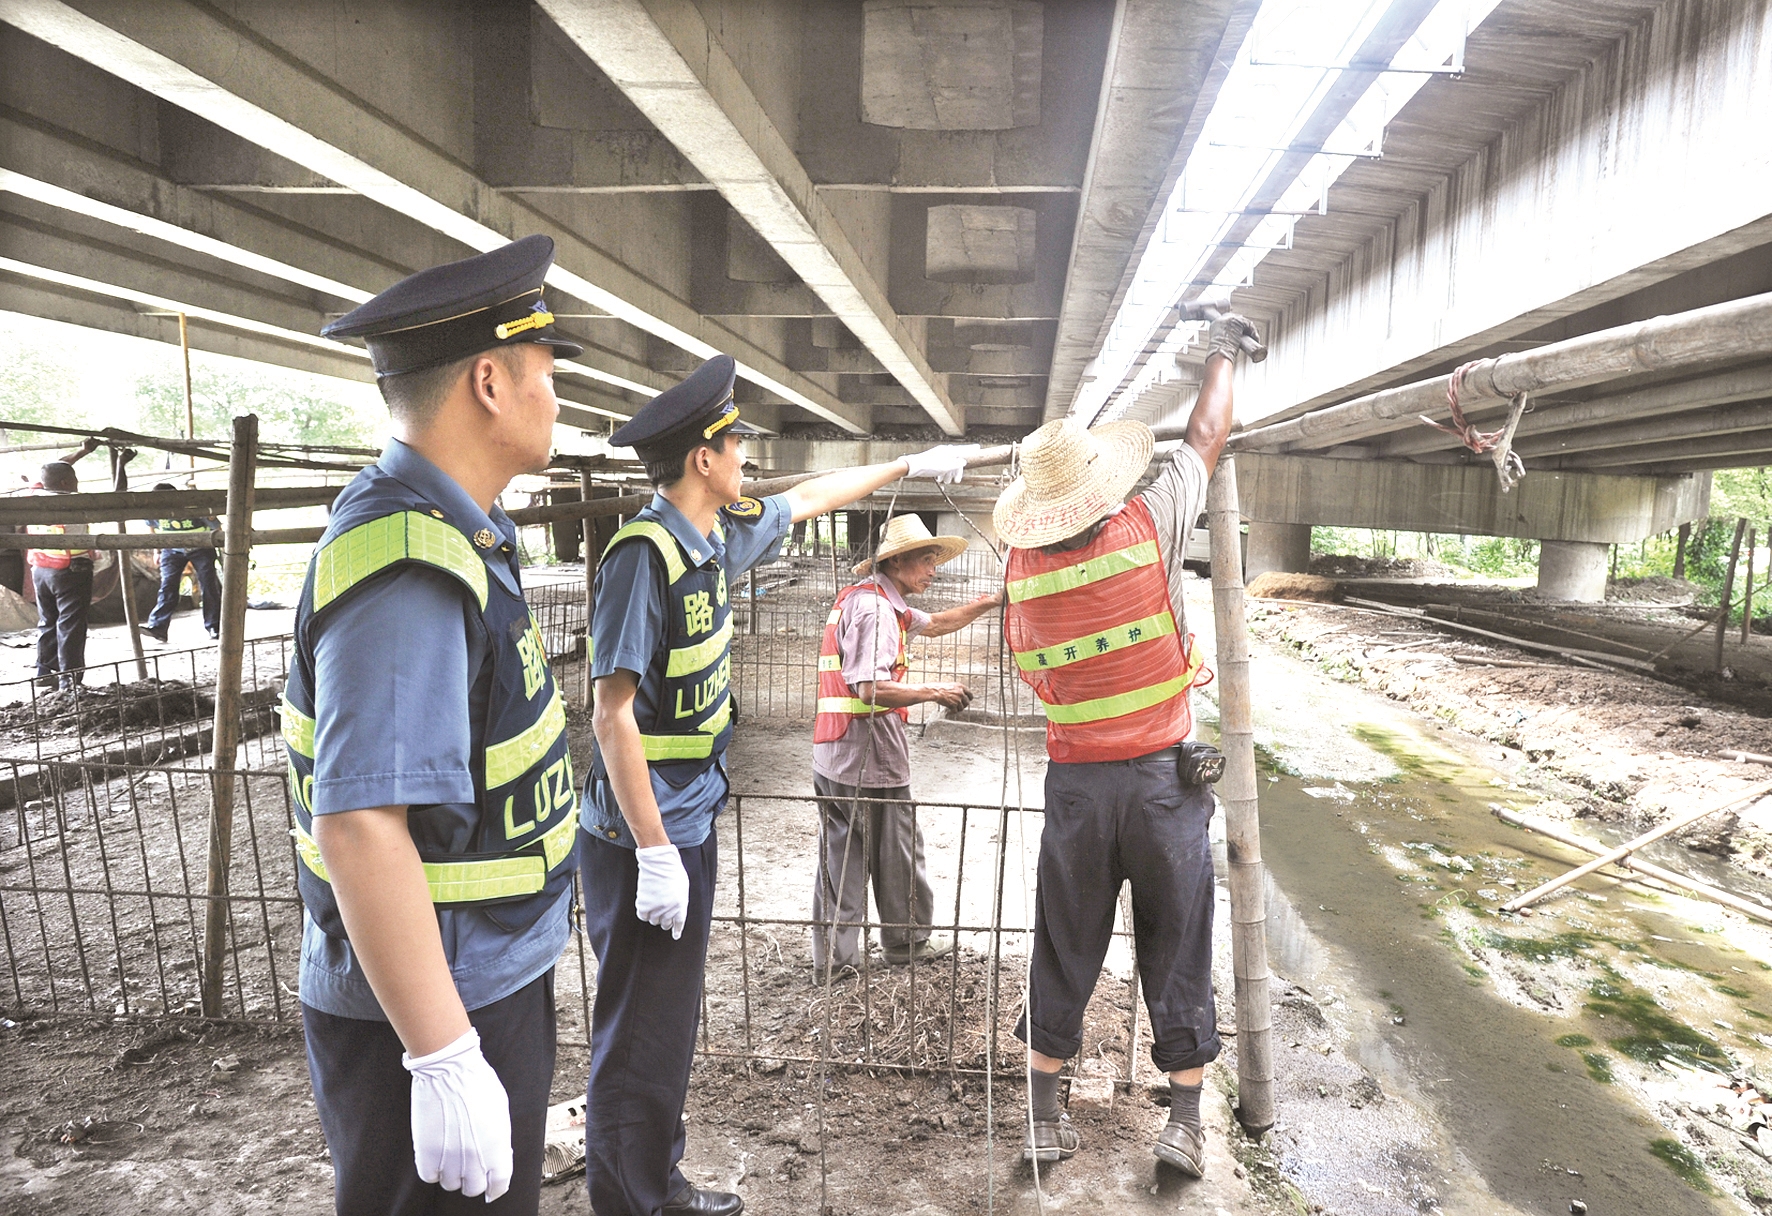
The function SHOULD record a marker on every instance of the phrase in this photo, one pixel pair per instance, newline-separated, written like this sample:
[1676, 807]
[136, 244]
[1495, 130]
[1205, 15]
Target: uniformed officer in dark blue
[435, 806]
[661, 635]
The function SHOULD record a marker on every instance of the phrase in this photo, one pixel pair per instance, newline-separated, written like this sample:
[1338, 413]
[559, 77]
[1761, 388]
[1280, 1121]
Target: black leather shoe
[692, 1199]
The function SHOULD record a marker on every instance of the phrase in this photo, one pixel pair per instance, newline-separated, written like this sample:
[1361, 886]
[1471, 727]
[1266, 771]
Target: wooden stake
[184, 344]
[242, 462]
[1680, 551]
[1242, 812]
[1747, 591]
[1647, 869]
[1728, 592]
[131, 610]
[1630, 846]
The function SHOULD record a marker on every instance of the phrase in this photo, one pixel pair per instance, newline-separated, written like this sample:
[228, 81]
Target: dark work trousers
[172, 568]
[642, 1028]
[64, 598]
[859, 840]
[364, 1096]
[1107, 823]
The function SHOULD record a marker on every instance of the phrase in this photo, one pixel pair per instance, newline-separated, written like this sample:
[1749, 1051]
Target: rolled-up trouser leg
[1166, 852]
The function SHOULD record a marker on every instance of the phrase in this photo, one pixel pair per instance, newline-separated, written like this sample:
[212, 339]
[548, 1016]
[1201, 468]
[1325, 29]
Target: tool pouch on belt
[1199, 764]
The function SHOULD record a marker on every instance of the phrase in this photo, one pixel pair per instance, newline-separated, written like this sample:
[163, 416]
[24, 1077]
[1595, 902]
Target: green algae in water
[1598, 1066]
[1657, 1036]
[1737, 993]
[1539, 949]
[1396, 748]
[1575, 1040]
[1683, 1162]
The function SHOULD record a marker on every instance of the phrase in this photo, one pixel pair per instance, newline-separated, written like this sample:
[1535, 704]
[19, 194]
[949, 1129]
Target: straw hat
[904, 533]
[1070, 478]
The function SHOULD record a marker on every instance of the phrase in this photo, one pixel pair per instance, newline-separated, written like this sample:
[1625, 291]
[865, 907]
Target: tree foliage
[290, 409]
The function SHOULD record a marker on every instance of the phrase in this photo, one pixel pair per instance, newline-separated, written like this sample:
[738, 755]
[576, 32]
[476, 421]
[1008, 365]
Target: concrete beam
[1669, 431]
[665, 59]
[1404, 496]
[102, 306]
[1748, 447]
[181, 51]
[1628, 175]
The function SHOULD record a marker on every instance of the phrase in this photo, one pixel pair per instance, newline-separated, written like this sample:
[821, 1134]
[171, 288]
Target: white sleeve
[1176, 499]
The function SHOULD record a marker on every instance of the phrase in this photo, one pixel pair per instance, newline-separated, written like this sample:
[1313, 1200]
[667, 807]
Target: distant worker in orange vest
[61, 579]
[861, 760]
[1098, 629]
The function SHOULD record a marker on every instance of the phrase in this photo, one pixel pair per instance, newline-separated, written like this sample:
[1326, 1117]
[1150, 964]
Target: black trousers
[364, 1096]
[172, 568]
[642, 1028]
[1108, 823]
[64, 598]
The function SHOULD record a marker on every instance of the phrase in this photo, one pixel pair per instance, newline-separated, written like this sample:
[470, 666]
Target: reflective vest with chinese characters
[838, 705]
[686, 726]
[518, 859]
[1094, 635]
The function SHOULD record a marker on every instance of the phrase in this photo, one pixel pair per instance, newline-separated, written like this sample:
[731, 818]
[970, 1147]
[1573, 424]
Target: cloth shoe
[692, 1199]
[1183, 1147]
[159, 635]
[1051, 1140]
[938, 945]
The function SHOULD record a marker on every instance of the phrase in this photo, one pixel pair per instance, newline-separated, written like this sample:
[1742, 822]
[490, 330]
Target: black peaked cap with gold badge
[690, 412]
[459, 309]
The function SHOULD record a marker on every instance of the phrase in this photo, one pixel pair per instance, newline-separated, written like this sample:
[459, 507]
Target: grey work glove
[461, 1120]
[1233, 335]
[663, 895]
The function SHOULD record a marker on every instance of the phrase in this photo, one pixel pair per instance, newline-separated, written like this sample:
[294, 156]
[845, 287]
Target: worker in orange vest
[1097, 626]
[861, 760]
[61, 580]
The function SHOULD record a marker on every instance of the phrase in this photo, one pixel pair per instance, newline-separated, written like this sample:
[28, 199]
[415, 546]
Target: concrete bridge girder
[1650, 136]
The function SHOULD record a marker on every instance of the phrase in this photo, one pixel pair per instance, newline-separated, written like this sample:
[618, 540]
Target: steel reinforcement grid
[104, 816]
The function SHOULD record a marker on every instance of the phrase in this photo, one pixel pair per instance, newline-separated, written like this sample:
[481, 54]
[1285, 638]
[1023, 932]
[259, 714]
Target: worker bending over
[861, 759]
[1097, 625]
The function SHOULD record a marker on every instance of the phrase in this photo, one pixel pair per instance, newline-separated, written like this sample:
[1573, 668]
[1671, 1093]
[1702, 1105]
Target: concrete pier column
[951, 523]
[1281, 547]
[1573, 570]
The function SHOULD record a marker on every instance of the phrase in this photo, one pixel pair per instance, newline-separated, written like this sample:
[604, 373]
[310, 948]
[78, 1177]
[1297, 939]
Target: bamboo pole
[1747, 591]
[1736, 328]
[241, 467]
[1242, 813]
[1728, 592]
[1630, 846]
[131, 610]
[184, 343]
[1647, 869]
[1680, 551]
[836, 578]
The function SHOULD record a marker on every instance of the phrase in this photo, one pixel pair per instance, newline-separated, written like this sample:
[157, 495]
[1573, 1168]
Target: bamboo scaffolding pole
[1728, 593]
[1630, 846]
[131, 610]
[587, 539]
[1242, 812]
[184, 344]
[1647, 869]
[1747, 591]
[226, 737]
[1732, 330]
[93, 508]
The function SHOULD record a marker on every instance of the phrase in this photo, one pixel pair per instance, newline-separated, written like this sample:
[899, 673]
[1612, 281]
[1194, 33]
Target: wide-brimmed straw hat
[902, 534]
[1070, 478]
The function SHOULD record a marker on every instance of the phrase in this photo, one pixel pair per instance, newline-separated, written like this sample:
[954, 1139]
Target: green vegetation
[1599, 1067]
[1575, 1040]
[1655, 1036]
[1684, 1162]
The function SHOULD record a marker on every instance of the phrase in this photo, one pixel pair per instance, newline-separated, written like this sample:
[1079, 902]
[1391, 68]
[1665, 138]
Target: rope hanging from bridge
[1498, 444]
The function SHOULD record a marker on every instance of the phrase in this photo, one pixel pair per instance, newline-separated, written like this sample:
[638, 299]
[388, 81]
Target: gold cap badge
[485, 539]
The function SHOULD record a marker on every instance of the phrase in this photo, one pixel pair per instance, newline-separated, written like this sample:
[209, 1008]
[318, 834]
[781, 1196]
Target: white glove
[945, 464]
[663, 897]
[461, 1120]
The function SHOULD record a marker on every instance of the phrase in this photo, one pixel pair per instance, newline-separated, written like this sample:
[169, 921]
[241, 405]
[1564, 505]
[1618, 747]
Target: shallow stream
[1537, 1040]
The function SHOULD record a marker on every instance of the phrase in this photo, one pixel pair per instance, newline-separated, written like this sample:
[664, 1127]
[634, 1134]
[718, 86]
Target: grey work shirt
[402, 672]
[628, 628]
[874, 751]
[1175, 500]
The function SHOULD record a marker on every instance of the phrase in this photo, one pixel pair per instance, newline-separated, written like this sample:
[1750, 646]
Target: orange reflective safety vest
[51, 559]
[1094, 635]
[838, 705]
